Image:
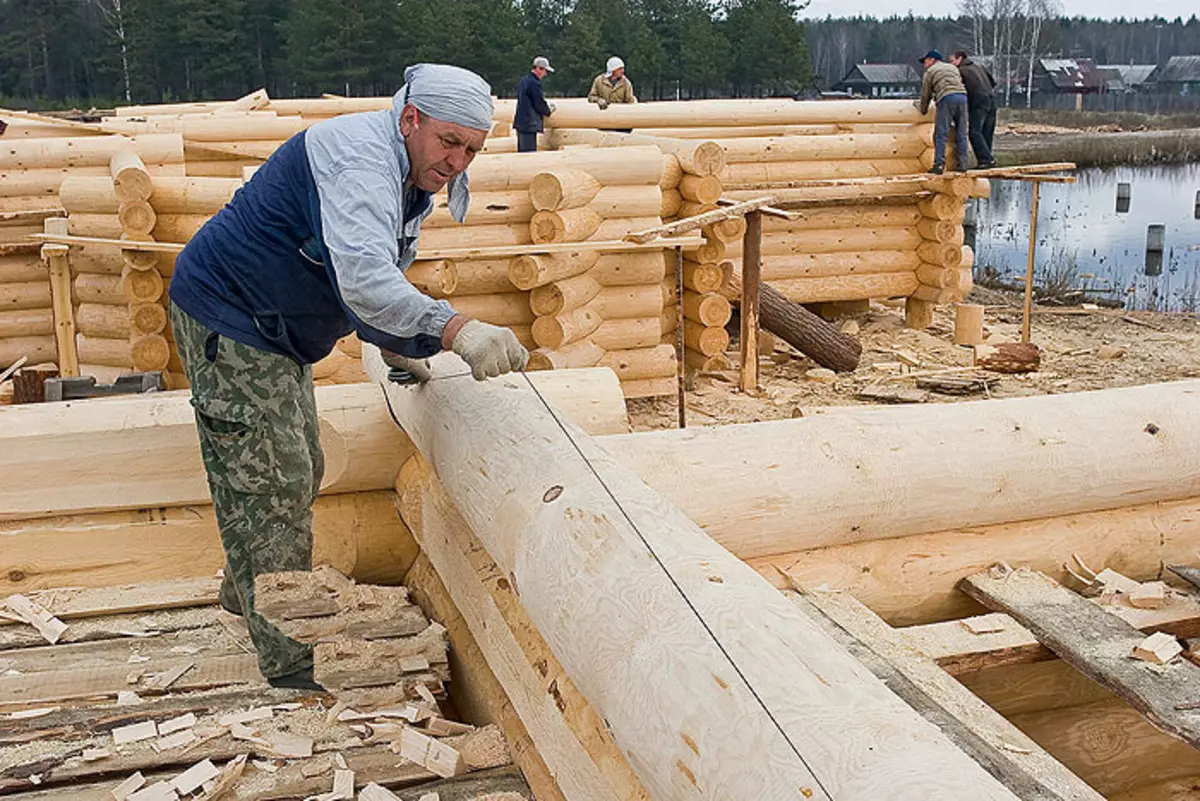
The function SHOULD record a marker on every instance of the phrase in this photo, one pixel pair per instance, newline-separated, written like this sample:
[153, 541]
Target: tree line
[100, 52]
[56, 53]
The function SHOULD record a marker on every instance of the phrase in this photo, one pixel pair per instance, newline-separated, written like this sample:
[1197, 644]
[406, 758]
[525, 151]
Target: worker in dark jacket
[981, 106]
[532, 107]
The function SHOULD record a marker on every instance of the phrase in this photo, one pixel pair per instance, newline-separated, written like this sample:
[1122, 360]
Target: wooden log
[942, 255]
[130, 180]
[918, 314]
[26, 323]
[224, 169]
[984, 439]
[779, 669]
[808, 333]
[739, 176]
[619, 201]
[629, 333]
[706, 340]
[568, 225]
[211, 128]
[702, 278]
[621, 302]
[103, 320]
[1094, 642]
[567, 732]
[474, 236]
[1008, 357]
[736, 113]
[157, 462]
[649, 387]
[142, 286]
[694, 157]
[150, 352]
[641, 363]
[712, 251]
[91, 288]
[105, 226]
[35, 348]
[90, 151]
[178, 227]
[564, 189]
[982, 188]
[856, 215]
[937, 296]
[943, 207]
[487, 208]
[510, 309]
[700, 189]
[847, 287]
[104, 351]
[671, 202]
[956, 186]
[943, 231]
[583, 353]
[555, 331]
[438, 277]
[710, 309]
[21, 268]
[936, 276]
[25, 295]
[671, 173]
[838, 240]
[818, 265]
[136, 217]
[838, 147]
[528, 272]
[147, 318]
[568, 293]
[637, 165]
[968, 324]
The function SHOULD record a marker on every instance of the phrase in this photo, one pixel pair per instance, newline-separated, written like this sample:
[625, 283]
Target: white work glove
[553, 108]
[602, 103]
[489, 349]
[418, 368]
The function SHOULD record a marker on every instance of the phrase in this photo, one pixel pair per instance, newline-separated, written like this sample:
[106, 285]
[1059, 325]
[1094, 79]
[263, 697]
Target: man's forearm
[451, 330]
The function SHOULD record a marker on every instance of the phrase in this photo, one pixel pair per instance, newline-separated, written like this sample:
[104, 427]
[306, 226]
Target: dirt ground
[1081, 350]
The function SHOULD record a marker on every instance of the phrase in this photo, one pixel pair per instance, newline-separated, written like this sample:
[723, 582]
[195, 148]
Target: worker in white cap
[612, 86]
[532, 107]
[312, 248]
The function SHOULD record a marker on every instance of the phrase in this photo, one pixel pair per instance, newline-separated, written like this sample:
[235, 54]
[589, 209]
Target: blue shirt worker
[312, 248]
[532, 108]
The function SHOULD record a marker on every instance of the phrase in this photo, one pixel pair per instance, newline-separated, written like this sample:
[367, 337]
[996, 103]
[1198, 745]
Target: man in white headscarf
[612, 85]
[312, 248]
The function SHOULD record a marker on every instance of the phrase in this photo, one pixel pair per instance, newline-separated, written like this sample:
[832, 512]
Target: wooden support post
[918, 313]
[1027, 314]
[680, 350]
[968, 324]
[1096, 643]
[751, 276]
[998, 745]
[57, 258]
[574, 526]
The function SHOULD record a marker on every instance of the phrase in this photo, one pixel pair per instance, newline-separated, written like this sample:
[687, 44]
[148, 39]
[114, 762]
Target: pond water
[1091, 237]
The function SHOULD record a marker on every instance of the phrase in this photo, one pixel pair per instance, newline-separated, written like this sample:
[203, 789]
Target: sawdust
[1164, 347]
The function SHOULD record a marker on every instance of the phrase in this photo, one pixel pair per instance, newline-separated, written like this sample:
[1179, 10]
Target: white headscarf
[451, 94]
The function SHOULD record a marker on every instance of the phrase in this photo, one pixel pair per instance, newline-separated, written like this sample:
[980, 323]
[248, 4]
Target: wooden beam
[662, 233]
[962, 646]
[751, 277]
[568, 527]
[569, 736]
[1002, 749]
[1097, 643]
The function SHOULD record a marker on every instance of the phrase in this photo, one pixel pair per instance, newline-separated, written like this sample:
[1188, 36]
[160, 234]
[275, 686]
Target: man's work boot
[937, 169]
[300, 680]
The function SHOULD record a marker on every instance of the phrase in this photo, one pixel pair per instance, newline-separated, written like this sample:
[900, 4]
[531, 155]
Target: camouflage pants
[257, 421]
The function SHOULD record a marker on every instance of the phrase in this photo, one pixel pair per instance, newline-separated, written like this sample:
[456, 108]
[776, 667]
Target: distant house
[1125, 78]
[1180, 75]
[1076, 76]
[881, 80]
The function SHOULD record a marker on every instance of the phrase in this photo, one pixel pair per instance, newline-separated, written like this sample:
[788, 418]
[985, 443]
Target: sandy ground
[1081, 350]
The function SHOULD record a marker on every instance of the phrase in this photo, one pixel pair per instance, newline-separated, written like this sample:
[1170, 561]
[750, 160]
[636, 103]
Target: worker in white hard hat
[612, 86]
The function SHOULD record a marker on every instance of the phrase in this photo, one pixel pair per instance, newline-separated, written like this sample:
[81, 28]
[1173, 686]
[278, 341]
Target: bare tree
[114, 18]
[1036, 14]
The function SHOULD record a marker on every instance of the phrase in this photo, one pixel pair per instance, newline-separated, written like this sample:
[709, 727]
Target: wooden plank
[323, 605]
[659, 233]
[575, 532]
[957, 649]
[1097, 643]
[1001, 748]
[74, 603]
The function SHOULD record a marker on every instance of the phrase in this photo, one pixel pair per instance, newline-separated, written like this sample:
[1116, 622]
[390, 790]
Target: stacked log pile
[26, 319]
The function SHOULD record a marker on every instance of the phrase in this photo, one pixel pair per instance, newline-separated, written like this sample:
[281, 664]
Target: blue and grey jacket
[314, 246]
[532, 107]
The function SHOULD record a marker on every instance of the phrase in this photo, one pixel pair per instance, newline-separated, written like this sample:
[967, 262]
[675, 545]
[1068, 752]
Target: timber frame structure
[613, 619]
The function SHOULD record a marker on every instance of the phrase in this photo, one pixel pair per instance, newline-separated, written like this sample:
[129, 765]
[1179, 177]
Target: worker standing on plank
[612, 86]
[981, 106]
[532, 108]
[943, 83]
[312, 248]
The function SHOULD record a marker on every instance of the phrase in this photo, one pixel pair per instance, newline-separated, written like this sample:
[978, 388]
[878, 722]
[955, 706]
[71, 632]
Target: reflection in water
[1088, 238]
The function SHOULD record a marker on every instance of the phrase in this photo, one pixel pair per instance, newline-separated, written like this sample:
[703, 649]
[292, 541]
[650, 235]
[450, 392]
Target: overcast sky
[1109, 9]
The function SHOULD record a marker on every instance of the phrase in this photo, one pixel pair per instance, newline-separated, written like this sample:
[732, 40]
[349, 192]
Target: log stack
[26, 318]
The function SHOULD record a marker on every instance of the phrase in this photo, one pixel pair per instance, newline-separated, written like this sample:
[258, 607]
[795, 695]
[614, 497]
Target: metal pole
[1033, 216]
